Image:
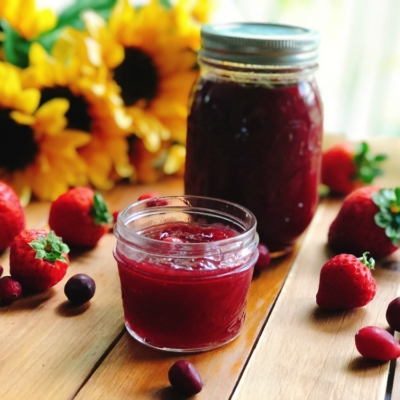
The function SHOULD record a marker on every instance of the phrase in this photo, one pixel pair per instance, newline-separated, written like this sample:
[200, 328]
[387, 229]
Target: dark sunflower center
[18, 148]
[137, 76]
[78, 113]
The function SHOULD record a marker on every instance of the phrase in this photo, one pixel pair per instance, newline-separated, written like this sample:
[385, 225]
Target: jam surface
[180, 308]
[190, 233]
[258, 146]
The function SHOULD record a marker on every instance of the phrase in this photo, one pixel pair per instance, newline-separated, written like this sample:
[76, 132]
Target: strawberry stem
[99, 211]
[50, 247]
[388, 216]
[367, 164]
[370, 264]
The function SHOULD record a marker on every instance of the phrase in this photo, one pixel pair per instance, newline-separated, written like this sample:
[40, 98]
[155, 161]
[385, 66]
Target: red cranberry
[79, 289]
[115, 216]
[148, 195]
[264, 258]
[10, 289]
[393, 314]
[377, 344]
[1, 270]
[185, 378]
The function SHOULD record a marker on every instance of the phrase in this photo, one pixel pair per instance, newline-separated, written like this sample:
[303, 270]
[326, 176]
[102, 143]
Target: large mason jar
[255, 126]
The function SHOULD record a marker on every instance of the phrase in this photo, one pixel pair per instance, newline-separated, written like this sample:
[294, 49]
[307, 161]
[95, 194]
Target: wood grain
[304, 353]
[288, 349]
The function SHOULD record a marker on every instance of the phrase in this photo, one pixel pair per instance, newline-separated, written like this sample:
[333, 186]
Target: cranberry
[79, 289]
[185, 378]
[10, 289]
[264, 258]
[1, 270]
[148, 195]
[393, 314]
[115, 216]
[377, 344]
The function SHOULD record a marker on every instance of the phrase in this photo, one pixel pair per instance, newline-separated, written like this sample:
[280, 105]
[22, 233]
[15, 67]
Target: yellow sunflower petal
[175, 160]
[22, 118]
[26, 19]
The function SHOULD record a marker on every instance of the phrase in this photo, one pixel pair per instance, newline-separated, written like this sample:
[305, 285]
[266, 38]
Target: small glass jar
[185, 265]
[255, 126]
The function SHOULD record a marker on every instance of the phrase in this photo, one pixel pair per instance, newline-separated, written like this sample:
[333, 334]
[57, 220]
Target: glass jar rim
[184, 203]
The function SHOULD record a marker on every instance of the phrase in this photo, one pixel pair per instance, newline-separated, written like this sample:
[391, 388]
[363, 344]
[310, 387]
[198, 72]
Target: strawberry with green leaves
[38, 259]
[80, 216]
[346, 282]
[369, 218]
[347, 166]
[12, 216]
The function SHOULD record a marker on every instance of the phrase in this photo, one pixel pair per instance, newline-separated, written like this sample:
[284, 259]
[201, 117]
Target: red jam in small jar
[255, 126]
[185, 265]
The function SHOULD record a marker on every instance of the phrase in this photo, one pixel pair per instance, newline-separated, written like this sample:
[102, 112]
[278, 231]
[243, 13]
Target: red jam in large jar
[255, 126]
[185, 265]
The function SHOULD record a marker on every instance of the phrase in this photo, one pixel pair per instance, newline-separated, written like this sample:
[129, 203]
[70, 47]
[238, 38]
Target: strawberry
[346, 282]
[12, 217]
[80, 216]
[346, 167]
[38, 259]
[369, 218]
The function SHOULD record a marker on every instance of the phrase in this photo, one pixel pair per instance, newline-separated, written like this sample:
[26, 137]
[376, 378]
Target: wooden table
[288, 349]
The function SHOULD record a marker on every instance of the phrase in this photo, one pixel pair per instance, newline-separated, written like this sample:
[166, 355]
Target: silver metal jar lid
[260, 44]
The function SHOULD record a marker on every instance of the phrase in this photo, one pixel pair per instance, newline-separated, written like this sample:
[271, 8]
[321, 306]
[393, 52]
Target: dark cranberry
[185, 378]
[393, 314]
[1, 270]
[10, 289]
[79, 289]
[264, 258]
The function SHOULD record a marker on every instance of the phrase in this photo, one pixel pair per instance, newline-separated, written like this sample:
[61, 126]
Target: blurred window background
[359, 74]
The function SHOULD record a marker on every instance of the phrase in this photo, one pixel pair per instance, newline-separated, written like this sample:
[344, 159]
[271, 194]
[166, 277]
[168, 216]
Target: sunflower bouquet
[96, 94]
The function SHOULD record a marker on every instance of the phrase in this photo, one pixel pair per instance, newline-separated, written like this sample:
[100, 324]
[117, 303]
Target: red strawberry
[368, 219]
[12, 216]
[346, 167]
[80, 216]
[38, 259]
[346, 282]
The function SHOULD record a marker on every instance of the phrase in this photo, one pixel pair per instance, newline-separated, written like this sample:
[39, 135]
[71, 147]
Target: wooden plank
[48, 347]
[305, 353]
[135, 371]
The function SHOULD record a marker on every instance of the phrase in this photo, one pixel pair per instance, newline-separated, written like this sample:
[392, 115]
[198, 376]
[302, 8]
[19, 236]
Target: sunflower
[25, 18]
[37, 154]
[155, 74]
[95, 105]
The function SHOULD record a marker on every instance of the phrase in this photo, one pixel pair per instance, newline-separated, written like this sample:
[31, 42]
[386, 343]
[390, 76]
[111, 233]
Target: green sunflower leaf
[16, 48]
